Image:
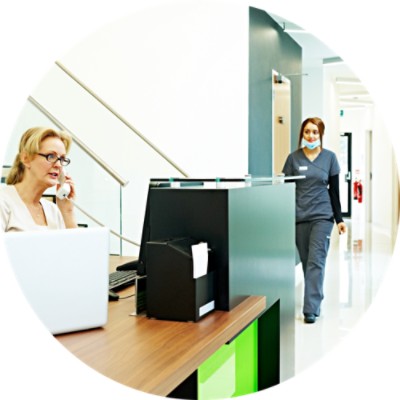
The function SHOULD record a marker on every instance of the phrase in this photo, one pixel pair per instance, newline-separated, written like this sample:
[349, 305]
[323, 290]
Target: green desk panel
[232, 370]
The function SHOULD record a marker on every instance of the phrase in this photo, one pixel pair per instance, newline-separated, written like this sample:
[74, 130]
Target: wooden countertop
[155, 356]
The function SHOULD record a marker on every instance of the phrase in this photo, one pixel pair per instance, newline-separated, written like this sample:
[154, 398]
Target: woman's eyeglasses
[53, 158]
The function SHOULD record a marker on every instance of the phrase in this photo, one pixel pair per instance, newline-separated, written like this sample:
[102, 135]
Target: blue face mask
[311, 145]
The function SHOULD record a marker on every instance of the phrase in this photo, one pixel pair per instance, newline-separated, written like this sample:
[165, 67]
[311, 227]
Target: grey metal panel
[262, 255]
[269, 49]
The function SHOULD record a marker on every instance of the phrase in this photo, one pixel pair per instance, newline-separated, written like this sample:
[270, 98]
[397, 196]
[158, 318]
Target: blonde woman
[37, 167]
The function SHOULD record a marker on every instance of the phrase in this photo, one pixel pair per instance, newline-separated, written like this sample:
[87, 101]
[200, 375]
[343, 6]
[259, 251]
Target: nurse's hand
[342, 228]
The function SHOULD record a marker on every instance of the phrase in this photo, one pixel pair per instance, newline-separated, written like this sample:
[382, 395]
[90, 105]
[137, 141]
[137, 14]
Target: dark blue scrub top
[312, 197]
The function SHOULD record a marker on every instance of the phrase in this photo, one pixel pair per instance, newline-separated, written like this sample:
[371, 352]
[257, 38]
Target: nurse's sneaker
[309, 318]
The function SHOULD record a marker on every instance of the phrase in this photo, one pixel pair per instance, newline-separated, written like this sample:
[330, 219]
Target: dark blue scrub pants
[312, 241]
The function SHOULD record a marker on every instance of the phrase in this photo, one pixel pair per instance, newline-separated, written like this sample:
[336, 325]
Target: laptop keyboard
[120, 279]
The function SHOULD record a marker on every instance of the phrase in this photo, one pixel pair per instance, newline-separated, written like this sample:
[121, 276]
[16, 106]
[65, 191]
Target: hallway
[356, 265]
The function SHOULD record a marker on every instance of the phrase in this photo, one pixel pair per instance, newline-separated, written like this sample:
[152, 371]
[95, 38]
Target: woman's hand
[342, 228]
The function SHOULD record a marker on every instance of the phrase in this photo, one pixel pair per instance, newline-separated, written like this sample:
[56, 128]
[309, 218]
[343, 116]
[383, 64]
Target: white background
[34, 34]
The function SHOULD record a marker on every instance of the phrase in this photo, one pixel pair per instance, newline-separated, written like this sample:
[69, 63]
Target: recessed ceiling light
[354, 95]
[356, 102]
[332, 61]
[348, 81]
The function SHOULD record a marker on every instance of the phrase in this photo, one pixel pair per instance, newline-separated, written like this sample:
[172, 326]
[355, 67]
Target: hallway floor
[356, 264]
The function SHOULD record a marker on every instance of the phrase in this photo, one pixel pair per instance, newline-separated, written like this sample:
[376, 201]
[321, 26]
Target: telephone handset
[64, 189]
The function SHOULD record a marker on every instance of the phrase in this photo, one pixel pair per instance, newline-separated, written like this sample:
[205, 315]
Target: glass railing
[98, 195]
[110, 140]
[223, 182]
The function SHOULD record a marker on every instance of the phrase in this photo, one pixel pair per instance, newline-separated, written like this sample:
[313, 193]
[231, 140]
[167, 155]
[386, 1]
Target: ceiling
[352, 93]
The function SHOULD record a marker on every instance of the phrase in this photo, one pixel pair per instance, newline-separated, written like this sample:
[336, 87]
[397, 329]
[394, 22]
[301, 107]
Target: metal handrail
[122, 119]
[123, 182]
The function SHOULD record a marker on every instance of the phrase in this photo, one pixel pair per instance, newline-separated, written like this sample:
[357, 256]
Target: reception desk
[250, 234]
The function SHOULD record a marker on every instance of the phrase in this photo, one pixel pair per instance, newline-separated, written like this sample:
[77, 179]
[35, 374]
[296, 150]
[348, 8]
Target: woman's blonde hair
[30, 144]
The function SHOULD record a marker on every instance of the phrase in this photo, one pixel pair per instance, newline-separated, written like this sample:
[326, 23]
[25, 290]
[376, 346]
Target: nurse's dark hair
[316, 121]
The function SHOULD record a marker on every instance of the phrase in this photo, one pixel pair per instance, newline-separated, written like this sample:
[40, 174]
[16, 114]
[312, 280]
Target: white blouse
[15, 216]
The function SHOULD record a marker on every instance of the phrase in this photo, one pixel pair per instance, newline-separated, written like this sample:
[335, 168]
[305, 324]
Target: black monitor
[140, 263]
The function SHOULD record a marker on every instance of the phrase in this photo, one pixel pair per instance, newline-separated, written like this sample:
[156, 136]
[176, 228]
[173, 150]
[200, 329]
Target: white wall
[178, 74]
[313, 96]
[383, 170]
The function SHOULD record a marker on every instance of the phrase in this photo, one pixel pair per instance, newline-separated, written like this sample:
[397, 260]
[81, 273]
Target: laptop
[64, 275]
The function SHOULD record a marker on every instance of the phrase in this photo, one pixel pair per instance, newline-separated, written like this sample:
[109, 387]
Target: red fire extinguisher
[355, 190]
[358, 191]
